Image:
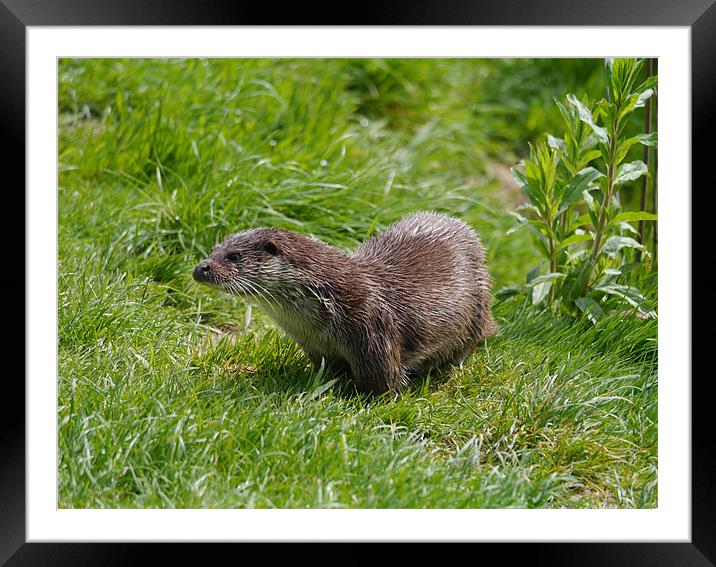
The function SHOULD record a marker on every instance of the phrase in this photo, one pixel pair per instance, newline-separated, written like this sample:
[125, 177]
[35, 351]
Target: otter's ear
[271, 247]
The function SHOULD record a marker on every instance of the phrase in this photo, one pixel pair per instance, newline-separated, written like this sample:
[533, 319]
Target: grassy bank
[171, 395]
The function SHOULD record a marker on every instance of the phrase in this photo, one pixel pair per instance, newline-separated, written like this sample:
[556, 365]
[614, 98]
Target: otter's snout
[202, 272]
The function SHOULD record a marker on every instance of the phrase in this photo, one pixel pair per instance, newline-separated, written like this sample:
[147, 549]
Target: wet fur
[416, 296]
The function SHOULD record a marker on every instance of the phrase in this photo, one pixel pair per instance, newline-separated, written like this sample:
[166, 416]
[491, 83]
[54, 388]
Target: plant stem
[655, 176]
[655, 196]
[645, 179]
[552, 256]
[611, 172]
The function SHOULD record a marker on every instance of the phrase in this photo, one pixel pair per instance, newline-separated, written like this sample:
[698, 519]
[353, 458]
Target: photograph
[357, 282]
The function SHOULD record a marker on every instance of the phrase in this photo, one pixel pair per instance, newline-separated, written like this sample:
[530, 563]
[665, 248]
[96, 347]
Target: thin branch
[645, 179]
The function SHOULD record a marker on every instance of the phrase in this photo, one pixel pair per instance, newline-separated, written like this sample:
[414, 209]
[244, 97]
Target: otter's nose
[201, 271]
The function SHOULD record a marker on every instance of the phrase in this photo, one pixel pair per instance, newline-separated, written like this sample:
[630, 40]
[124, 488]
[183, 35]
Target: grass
[171, 395]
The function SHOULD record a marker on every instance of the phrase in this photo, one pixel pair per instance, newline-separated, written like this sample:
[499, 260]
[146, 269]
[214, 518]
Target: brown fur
[416, 296]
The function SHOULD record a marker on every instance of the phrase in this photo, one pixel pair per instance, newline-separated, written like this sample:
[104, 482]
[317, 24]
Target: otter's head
[249, 264]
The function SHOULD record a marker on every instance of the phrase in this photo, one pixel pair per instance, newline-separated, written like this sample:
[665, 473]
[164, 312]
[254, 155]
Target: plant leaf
[628, 227]
[515, 228]
[630, 171]
[585, 115]
[641, 101]
[544, 278]
[607, 110]
[624, 73]
[509, 291]
[629, 294]
[649, 83]
[651, 139]
[623, 148]
[534, 272]
[527, 207]
[577, 280]
[580, 183]
[631, 216]
[588, 156]
[609, 277]
[635, 101]
[524, 184]
[583, 219]
[555, 143]
[574, 239]
[588, 306]
[520, 219]
[541, 240]
[615, 243]
[540, 291]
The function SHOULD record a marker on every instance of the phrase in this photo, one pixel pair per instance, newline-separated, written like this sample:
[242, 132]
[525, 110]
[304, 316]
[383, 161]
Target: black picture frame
[17, 15]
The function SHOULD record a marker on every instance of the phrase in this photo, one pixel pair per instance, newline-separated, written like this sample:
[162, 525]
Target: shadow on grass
[302, 378]
[272, 365]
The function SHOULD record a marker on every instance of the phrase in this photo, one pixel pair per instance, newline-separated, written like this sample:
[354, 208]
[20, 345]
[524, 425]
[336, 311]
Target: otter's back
[424, 249]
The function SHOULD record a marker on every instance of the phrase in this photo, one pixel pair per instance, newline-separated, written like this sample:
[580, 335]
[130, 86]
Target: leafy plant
[574, 210]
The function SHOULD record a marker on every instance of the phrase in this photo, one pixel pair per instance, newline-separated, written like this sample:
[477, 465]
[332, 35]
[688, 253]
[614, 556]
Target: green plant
[574, 210]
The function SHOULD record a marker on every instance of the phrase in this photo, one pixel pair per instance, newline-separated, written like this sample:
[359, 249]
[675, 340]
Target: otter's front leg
[377, 371]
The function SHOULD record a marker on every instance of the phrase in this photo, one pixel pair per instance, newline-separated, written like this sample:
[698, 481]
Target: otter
[414, 297]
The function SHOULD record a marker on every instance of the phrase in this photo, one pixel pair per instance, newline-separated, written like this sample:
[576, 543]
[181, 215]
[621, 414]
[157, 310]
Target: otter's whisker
[266, 293]
[262, 292]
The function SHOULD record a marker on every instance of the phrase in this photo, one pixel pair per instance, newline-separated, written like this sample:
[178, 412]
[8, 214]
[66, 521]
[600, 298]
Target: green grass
[172, 395]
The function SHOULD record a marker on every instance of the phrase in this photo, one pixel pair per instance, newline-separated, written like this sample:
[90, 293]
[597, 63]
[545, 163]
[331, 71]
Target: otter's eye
[270, 247]
[233, 257]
